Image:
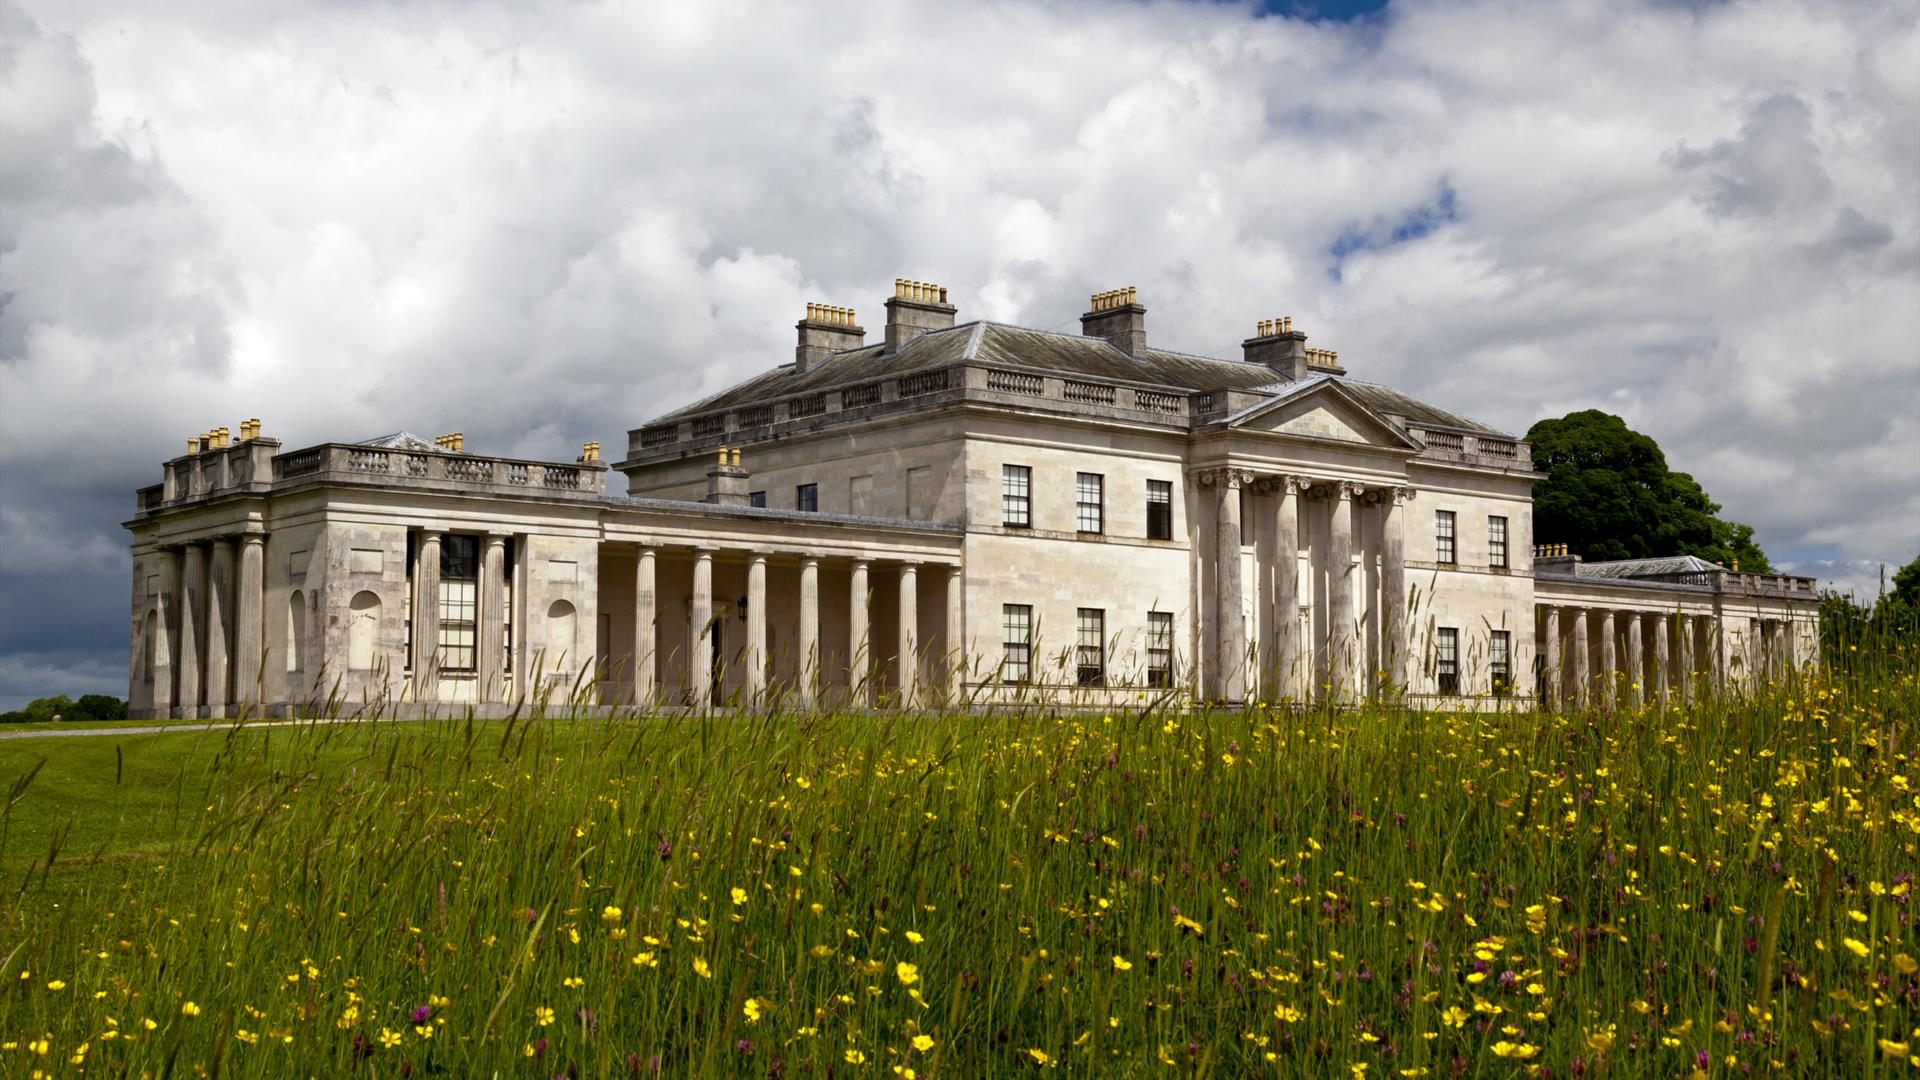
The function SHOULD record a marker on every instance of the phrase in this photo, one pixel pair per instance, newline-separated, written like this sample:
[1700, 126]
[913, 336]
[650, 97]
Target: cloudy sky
[545, 223]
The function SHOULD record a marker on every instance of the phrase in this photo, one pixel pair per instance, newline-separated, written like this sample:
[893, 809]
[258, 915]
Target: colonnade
[202, 638]
[1594, 655]
[906, 652]
[1351, 642]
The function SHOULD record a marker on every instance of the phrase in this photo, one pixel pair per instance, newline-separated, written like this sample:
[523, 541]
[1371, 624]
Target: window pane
[1443, 536]
[1160, 648]
[1016, 635]
[1159, 509]
[1446, 659]
[807, 497]
[458, 632]
[1499, 661]
[1090, 633]
[757, 498]
[1496, 541]
[1089, 500]
[1015, 485]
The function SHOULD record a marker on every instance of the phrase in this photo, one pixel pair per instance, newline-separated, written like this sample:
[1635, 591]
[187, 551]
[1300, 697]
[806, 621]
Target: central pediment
[1322, 410]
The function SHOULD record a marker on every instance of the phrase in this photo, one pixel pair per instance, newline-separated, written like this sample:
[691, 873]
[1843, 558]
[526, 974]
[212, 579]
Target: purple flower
[422, 1014]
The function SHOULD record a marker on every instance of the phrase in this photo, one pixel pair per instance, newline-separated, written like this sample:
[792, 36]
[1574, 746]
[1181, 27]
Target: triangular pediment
[1322, 410]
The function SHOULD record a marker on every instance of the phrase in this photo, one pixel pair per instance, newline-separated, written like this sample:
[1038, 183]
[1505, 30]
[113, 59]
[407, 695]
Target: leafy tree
[1609, 494]
[1906, 585]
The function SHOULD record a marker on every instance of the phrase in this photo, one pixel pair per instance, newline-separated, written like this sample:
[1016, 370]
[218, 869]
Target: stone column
[1393, 588]
[956, 651]
[699, 629]
[1550, 658]
[193, 595]
[1683, 627]
[756, 658]
[646, 628]
[1341, 639]
[1790, 646]
[1582, 679]
[805, 690]
[426, 620]
[907, 661]
[1229, 618]
[1286, 585]
[1717, 645]
[249, 622]
[1662, 659]
[1636, 660]
[166, 635]
[1609, 660]
[857, 643]
[219, 624]
[490, 635]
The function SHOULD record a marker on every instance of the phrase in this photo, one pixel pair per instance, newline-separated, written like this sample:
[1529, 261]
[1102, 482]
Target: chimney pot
[1279, 346]
[825, 330]
[916, 308]
[726, 480]
[1117, 316]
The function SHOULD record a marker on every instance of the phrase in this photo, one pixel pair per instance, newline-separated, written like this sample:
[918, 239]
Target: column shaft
[857, 643]
[1229, 619]
[490, 635]
[1393, 588]
[756, 658]
[907, 660]
[806, 688]
[1662, 659]
[1609, 661]
[956, 643]
[1342, 641]
[646, 628]
[193, 594]
[166, 636]
[1684, 627]
[1582, 680]
[1550, 658]
[1286, 586]
[1636, 683]
[219, 625]
[426, 620]
[700, 628]
[249, 622]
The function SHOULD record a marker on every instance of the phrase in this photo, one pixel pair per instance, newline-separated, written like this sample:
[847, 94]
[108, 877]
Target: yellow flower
[1893, 1049]
[1120, 964]
[610, 914]
[190, 1009]
[573, 982]
[56, 986]
[1185, 923]
[1858, 947]
[1517, 1051]
[1454, 1016]
[751, 1010]
[855, 1057]
[701, 969]
[644, 959]
[1286, 1013]
[246, 1036]
[739, 896]
[389, 1039]
[1040, 1057]
[543, 1014]
[923, 1043]
[908, 973]
[914, 936]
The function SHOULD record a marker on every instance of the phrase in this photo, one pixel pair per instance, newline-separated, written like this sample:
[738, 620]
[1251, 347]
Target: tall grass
[1388, 892]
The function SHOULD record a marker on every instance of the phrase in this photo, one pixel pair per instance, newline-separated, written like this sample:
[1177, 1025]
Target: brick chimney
[1279, 346]
[1117, 316]
[726, 480]
[916, 308]
[825, 330]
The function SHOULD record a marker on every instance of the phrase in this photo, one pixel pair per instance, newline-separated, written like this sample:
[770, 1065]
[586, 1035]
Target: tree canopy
[1609, 494]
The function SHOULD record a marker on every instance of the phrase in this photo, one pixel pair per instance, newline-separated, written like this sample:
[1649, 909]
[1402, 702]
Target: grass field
[1383, 893]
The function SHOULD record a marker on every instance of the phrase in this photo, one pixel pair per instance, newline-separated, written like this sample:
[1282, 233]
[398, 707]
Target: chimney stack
[826, 329]
[916, 308]
[454, 443]
[1117, 316]
[589, 453]
[727, 481]
[1278, 345]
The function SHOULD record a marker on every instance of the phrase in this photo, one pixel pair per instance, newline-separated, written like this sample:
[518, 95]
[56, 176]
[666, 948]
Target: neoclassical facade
[957, 514]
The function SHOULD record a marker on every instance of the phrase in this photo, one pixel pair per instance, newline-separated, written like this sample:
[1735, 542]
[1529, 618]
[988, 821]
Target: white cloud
[546, 224]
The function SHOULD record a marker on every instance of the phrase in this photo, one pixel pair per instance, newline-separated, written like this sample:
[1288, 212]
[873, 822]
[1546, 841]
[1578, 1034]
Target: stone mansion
[957, 514]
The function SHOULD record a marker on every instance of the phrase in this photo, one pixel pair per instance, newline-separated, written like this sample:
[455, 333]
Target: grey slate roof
[1646, 568]
[1056, 354]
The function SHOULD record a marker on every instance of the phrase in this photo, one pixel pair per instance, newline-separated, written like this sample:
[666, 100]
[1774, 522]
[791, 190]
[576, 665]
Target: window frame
[1497, 532]
[1016, 655]
[757, 499]
[1500, 662]
[458, 637]
[1160, 649]
[1446, 538]
[1160, 510]
[1446, 660]
[806, 498]
[1016, 496]
[1090, 647]
[1090, 516]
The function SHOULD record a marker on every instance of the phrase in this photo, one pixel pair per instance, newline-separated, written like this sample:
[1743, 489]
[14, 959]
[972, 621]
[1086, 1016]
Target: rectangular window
[1446, 659]
[1016, 483]
[1443, 552]
[1160, 648]
[459, 602]
[1497, 542]
[757, 498]
[1500, 662]
[1016, 636]
[1090, 657]
[807, 497]
[1089, 501]
[1160, 511]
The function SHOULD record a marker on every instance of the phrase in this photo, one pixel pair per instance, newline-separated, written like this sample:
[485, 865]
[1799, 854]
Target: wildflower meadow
[1711, 890]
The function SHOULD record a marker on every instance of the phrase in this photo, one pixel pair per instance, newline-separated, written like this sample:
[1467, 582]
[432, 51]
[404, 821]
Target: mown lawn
[1380, 893]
